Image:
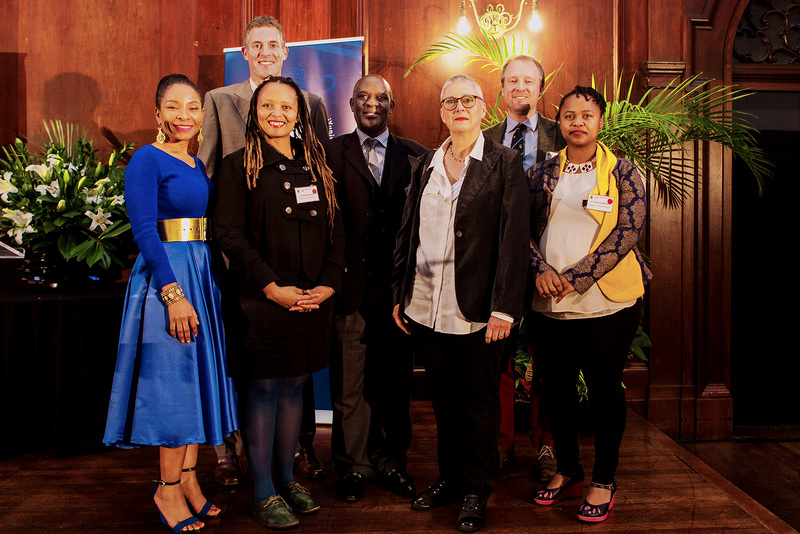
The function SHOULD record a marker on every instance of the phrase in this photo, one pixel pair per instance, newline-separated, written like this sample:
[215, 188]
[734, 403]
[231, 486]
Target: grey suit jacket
[225, 122]
[550, 139]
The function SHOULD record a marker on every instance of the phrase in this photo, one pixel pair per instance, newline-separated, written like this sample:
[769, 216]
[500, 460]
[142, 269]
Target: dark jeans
[463, 378]
[599, 346]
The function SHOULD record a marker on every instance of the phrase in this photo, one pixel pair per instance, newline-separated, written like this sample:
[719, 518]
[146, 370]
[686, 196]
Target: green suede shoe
[274, 513]
[299, 498]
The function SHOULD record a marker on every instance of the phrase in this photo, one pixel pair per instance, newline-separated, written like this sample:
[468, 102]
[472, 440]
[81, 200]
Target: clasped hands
[295, 299]
[550, 284]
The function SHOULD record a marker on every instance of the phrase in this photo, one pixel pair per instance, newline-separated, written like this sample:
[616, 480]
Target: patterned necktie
[372, 159]
[518, 139]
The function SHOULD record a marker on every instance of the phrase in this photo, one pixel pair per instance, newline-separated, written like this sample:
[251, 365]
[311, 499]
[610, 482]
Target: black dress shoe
[351, 487]
[436, 495]
[227, 471]
[473, 513]
[398, 482]
[306, 463]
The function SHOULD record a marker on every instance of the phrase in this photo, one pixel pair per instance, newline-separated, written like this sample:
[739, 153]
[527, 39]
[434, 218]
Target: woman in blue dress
[170, 384]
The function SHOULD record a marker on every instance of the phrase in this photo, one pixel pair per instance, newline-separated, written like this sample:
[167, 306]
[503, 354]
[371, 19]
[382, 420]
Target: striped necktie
[518, 139]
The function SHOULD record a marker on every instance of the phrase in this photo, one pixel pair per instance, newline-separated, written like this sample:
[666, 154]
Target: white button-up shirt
[433, 300]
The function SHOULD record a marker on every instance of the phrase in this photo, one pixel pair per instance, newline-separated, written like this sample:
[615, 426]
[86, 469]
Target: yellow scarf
[624, 282]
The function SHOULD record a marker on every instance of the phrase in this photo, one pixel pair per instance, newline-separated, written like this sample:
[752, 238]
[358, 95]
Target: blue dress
[166, 392]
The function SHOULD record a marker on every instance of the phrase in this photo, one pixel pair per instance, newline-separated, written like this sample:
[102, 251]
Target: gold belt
[187, 229]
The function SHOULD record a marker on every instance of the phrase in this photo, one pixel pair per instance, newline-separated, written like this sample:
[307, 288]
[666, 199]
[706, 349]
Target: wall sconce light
[496, 20]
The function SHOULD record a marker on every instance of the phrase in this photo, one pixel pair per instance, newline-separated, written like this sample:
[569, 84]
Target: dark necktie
[372, 159]
[518, 139]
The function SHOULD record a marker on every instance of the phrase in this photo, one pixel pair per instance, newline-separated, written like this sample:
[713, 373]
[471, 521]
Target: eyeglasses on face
[468, 101]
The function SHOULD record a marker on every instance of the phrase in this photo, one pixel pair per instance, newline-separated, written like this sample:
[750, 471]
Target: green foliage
[488, 51]
[658, 131]
[64, 197]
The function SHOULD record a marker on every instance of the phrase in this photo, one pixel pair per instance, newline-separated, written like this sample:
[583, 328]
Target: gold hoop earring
[160, 137]
[200, 136]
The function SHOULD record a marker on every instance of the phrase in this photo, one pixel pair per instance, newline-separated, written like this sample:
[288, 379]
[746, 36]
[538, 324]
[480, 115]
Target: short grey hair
[463, 78]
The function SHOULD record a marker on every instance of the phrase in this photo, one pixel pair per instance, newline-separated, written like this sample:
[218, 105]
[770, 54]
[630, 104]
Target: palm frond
[490, 52]
[656, 132]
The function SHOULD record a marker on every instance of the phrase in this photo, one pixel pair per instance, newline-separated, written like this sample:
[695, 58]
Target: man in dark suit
[534, 136]
[224, 125]
[371, 365]
[460, 266]
[522, 79]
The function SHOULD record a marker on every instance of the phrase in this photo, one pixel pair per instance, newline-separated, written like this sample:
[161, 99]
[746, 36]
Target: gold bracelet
[172, 295]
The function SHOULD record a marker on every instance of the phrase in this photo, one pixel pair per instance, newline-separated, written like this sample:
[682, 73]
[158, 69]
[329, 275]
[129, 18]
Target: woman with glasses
[587, 212]
[459, 279]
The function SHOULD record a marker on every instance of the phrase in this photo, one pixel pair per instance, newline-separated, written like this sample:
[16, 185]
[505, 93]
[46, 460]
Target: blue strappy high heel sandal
[182, 524]
[203, 513]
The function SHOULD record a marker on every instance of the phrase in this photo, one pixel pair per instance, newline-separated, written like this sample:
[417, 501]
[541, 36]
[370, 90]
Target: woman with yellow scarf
[587, 213]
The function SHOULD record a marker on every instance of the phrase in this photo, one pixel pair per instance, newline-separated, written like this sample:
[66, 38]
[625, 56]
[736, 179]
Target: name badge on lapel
[306, 194]
[600, 203]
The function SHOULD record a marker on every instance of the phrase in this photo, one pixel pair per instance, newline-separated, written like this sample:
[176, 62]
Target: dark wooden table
[58, 350]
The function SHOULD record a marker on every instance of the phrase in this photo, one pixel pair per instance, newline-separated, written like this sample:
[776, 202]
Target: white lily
[22, 223]
[100, 219]
[6, 187]
[53, 189]
[53, 159]
[41, 170]
[119, 200]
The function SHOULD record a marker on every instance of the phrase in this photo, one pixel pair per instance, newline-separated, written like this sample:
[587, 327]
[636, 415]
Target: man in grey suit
[534, 136]
[224, 125]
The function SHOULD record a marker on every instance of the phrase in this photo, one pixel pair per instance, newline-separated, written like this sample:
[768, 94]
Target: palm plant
[654, 132]
[489, 52]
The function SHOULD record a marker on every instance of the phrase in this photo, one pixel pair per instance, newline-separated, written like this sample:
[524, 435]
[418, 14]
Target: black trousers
[599, 346]
[463, 373]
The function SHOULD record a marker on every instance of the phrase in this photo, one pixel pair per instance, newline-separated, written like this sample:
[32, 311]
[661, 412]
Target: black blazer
[371, 213]
[491, 231]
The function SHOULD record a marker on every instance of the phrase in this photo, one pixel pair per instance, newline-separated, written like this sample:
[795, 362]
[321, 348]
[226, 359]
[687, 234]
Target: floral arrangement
[64, 198]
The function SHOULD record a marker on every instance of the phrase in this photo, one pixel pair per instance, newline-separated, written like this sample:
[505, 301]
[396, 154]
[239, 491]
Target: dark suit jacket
[491, 232]
[371, 213]
[225, 122]
[550, 139]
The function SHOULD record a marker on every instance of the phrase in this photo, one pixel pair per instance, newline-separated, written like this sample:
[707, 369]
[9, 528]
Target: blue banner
[327, 68]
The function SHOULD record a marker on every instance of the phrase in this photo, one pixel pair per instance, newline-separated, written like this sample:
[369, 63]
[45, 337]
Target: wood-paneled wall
[97, 63]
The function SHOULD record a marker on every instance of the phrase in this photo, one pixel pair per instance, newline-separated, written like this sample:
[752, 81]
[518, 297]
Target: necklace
[577, 168]
[452, 155]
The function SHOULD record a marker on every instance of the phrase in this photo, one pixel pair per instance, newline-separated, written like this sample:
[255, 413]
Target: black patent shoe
[438, 494]
[351, 487]
[306, 463]
[473, 513]
[399, 482]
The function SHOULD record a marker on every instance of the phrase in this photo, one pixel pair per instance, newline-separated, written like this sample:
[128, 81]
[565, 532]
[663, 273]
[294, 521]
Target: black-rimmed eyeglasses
[468, 101]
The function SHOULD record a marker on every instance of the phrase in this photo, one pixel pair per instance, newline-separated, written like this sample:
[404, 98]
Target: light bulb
[463, 25]
[536, 22]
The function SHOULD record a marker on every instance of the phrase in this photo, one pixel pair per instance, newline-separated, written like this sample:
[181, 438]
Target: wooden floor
[663, 488]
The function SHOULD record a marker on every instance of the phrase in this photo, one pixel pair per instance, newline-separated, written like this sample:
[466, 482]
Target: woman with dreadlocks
[278, 222]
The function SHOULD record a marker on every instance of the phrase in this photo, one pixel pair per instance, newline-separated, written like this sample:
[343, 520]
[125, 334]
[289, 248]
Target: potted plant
[64, 205]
